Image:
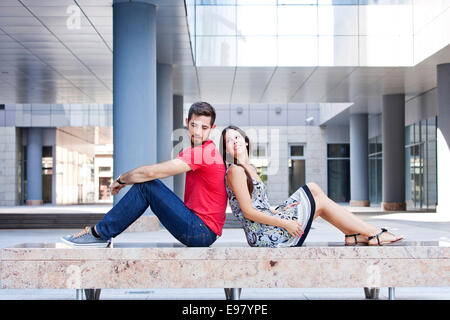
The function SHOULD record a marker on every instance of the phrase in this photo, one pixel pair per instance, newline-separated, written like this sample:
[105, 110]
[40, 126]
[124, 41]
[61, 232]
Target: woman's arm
[236, 179]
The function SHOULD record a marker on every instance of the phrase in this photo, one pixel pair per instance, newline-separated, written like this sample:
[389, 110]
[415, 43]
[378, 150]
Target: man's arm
[150, 172]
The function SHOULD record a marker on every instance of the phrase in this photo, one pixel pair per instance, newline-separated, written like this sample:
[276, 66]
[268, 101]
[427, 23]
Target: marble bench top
[170, 265]
[224, 251]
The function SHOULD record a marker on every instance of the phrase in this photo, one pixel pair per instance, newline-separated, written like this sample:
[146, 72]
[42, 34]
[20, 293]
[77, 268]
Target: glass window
[216, 51]
[383, 50]
[338, 20]
[431, 174]
[296, 167]
[338, 165]
[375, 169]
[215, 2]
[338, 2]
[215, 20]
[284, 2]
[256, 20]
[372, 145]
[297, 151]
[296, 174]
[256, 2]
[297, 20]
[408, 135]
[417, 137]
[431, 129]
[297, 51]
[341, 150]
[259, 150]
[385, 20]
[383, 2]
[256, 51]
[379, 145]
[338, 51]
[339, 180]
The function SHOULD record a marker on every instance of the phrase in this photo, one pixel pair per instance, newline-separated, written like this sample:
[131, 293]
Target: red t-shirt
[205, 192]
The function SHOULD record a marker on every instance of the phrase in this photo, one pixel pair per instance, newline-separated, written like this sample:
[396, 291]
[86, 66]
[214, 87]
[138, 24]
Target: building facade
[350, 94]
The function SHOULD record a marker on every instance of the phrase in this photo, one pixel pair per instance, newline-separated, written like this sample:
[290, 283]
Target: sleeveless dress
[263, 235]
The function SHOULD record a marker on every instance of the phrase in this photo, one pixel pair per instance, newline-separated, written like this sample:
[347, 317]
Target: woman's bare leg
[340, 217]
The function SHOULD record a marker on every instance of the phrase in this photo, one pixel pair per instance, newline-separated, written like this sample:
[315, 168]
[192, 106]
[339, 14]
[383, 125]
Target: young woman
[289, 224]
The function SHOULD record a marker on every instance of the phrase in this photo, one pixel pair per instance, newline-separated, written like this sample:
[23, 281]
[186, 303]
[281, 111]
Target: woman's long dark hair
[228, 158]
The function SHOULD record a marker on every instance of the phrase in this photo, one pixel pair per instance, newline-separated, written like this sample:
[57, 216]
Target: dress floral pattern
[263, 235]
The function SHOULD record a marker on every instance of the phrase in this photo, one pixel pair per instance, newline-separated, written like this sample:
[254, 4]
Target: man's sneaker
[85, 238]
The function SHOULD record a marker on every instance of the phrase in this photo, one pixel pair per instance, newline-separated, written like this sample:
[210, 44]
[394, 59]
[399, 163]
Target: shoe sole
[386, 243]
[88, 245]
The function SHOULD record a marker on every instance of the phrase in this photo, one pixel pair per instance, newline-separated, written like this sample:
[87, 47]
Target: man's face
[199, 128]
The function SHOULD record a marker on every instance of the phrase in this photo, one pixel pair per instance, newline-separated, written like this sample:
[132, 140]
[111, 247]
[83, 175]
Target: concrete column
[443, 139]
[178, 127]
[134, 86]
[165, 116]
[34, 166]
[393, 135]
[359, 176]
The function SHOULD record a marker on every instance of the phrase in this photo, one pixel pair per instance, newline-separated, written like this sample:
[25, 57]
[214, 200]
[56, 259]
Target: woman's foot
[355, 239]
[382, 238]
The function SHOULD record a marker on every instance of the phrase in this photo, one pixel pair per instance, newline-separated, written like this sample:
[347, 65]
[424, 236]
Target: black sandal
[382, 242]
[356, 239]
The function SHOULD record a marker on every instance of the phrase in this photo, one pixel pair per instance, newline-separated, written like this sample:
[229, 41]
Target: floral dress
[263, 235]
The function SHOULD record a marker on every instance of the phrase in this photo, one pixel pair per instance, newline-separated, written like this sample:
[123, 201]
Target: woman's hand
[115, 187]
[293, 227]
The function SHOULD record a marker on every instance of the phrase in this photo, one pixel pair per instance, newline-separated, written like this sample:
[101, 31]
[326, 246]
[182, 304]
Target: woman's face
[235, 143]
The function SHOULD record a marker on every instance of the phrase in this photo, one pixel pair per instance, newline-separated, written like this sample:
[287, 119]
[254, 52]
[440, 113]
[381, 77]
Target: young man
[199, 220]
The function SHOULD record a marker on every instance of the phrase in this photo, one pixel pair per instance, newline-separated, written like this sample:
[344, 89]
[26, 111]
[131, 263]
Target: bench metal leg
[391, 291]
[372, 293]
[92, 294]
[78, 294]
[233, 293]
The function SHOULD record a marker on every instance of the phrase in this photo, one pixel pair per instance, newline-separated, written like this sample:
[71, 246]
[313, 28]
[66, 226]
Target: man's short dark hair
[202, 109]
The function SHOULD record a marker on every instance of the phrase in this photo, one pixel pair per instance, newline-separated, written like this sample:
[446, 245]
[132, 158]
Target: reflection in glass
[256, 2]
[375, 170]
[216, 51]
[338, 172]
[256, 51]
[297, 20]
[215, 21]
[296, 174]
[431, 174]
[420, 168]
[256, 20]
[339, 180]
[338, 51]
[338, 20]
[338, 2]
[297, 51]
[287, 2]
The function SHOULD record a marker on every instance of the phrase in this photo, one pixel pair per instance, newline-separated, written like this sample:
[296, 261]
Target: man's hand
[115, 187]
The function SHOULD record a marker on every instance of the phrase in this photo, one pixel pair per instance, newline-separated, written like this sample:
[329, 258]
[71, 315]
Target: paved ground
[416, 226]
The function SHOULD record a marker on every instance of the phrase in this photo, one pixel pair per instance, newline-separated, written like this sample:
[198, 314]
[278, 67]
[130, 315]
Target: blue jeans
[178, 219]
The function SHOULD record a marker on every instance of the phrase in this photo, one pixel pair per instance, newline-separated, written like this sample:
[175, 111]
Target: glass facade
[420, 164]
[302, 33]
[338, 167]
[375, 170]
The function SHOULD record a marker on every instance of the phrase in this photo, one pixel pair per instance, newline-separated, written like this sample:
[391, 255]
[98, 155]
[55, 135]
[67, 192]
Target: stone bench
[228, 266]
